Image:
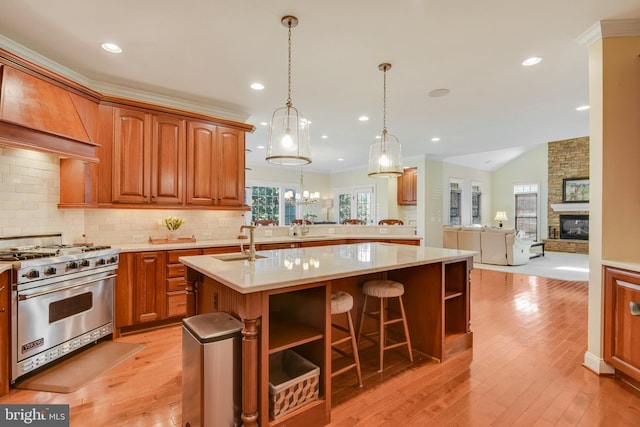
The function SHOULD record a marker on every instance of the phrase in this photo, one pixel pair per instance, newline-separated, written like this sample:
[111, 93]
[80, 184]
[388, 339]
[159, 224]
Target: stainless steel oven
[61, 301]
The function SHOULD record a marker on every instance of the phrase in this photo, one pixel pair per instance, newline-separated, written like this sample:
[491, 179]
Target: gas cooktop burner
[33, 252]
[22, 256]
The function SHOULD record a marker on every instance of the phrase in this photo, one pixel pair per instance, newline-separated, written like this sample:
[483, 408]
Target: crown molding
[610, 28]
[107, 89]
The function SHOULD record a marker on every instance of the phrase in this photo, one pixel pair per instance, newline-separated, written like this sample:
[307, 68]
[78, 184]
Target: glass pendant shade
[289, 142]
[385, 157]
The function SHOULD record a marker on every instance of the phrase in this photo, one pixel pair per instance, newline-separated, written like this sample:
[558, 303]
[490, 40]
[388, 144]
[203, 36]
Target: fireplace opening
[574, 227]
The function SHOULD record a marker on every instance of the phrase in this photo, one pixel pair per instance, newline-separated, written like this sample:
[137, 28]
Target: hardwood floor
[525, 369]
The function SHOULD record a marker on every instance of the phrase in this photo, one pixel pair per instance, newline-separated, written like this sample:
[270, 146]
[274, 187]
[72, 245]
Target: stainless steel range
[61, 300]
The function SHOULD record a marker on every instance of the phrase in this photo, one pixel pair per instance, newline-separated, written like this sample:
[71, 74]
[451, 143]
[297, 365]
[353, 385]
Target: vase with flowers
[173, 223]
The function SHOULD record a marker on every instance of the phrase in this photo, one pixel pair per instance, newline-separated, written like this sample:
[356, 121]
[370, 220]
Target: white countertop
[140, 247]
[289, 267]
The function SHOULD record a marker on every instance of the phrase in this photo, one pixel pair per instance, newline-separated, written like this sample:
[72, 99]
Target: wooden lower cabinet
[622, 322]
[150, 287]
[176, 283]
[140, 295]
[148, 294]
[5, 345]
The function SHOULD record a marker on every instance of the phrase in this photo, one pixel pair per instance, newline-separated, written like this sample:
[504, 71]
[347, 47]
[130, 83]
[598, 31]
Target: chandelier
[289, 131]
[303, 197]
[385, 155]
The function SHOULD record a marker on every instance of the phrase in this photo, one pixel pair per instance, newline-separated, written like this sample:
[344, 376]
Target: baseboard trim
[597, 364]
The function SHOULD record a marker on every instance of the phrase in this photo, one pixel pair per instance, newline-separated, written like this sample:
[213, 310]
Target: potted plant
[172, 224]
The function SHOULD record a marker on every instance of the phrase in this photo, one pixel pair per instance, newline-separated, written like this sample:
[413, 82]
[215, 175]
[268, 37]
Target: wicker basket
[293, 381]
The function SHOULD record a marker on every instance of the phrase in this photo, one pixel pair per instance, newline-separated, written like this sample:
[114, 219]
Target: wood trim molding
[29, 60]
[13, 135]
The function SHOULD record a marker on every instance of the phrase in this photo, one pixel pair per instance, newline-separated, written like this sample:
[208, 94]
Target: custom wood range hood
[44, 112]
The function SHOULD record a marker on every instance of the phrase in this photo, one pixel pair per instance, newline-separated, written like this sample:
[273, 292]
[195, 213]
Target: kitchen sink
[235, 257]
[311, 236]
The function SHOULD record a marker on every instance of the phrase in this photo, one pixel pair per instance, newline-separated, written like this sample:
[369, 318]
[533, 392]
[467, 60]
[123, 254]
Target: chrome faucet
[252, 243]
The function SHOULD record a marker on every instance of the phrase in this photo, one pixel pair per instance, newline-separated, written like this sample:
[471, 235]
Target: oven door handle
[74, 286]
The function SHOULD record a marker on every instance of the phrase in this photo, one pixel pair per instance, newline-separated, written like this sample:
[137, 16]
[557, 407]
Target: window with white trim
[356, 203]
[526, 209]
[455, 203]
[476, 204]
[267, 202]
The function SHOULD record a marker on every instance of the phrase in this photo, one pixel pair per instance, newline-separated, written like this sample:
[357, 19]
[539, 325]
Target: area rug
[554, 265]
[80, 369]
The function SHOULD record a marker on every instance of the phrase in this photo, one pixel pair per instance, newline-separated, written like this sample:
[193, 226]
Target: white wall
[530, 167]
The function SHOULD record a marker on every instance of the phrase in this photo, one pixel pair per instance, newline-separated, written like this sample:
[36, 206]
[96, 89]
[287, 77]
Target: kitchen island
[284, 300]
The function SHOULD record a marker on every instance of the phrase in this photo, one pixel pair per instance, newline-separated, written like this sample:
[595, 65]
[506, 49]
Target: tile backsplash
[29, 195]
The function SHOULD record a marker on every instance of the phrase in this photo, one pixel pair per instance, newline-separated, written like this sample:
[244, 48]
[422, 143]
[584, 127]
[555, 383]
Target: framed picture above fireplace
[575, 190]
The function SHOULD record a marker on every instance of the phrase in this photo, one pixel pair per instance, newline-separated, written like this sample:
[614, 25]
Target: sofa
[493, 245]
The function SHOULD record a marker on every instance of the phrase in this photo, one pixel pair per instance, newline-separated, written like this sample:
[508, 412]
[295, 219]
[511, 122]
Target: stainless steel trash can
[211, 363]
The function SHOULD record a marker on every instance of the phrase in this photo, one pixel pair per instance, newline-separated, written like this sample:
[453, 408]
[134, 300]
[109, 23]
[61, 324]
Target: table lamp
[500, 217]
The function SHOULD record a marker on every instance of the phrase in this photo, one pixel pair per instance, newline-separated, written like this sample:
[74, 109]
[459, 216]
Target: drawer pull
[635, 308]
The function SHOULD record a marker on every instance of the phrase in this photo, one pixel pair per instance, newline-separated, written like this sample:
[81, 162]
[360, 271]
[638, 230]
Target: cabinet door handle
[635, 308]
[2, 289]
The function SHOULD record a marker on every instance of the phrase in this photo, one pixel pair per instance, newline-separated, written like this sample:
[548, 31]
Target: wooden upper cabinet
[131, 157]
[407, 187]
[231, 175]
[215, 165]
[201, 163]
[167, 160]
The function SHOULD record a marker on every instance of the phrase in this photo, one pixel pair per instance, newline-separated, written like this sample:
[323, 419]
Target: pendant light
[385, 158]
[289, 130]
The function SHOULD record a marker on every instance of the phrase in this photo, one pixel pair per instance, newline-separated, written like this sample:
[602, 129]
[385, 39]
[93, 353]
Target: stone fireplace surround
[566, 159]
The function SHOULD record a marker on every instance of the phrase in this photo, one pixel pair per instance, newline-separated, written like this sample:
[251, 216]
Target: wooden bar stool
[384, 289]
[342, 302]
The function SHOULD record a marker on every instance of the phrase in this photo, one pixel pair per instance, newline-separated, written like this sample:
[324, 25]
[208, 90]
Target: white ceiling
[209, 51]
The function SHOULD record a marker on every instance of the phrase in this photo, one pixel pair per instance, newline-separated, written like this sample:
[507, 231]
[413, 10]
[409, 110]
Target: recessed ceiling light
[435, 139]
[582, 108]
[111, 47]
[341, 159]
[260, 147]
[531, 61]
[257, 86]
[363, 118]
[264, 123]
[378, 136]
[324, 137]
[436, 93]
